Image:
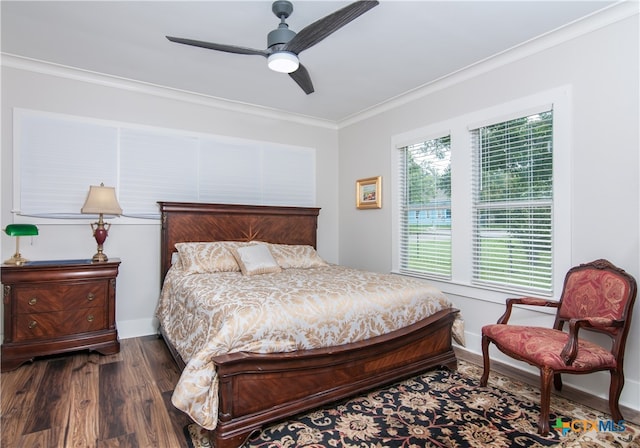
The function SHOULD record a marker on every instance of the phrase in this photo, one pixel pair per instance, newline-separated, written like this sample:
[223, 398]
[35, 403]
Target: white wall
[45, 88]
[601, 67]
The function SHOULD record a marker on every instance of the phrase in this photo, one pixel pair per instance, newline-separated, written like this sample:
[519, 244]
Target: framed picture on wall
[369, 192]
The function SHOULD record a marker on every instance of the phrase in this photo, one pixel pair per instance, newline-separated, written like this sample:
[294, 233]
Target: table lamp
[101, 200]
[19, 230]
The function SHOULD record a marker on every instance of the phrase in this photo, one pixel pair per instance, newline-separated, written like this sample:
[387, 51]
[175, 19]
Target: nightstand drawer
[59, 297]
[60, 323]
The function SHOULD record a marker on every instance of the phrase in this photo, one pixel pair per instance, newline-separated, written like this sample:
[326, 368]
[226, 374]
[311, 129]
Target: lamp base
[16, 260]
[100, 257]
[100, 233]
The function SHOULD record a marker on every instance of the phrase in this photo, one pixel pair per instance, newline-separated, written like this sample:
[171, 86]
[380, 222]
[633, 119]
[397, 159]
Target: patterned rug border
[572, 420]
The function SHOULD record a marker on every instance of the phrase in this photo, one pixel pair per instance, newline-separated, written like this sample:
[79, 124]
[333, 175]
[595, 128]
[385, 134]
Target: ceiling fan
[284, 45]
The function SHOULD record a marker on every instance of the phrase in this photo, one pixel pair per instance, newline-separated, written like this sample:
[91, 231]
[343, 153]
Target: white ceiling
[394, 48]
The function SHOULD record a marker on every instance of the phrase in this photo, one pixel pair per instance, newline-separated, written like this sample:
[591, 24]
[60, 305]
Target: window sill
[476, 292]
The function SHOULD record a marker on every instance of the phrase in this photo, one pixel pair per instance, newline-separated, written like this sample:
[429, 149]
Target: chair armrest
[570, 350]
[533, 301]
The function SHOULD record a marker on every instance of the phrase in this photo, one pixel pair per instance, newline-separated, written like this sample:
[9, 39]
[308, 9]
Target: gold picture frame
[369, 193]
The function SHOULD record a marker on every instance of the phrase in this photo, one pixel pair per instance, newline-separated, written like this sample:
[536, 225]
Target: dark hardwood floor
[122, 400]
[89, 400]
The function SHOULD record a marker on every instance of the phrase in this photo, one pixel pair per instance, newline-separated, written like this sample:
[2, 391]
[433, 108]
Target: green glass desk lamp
[19, 230]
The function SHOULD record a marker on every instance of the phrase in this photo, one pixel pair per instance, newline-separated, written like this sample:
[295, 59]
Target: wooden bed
[256, 389]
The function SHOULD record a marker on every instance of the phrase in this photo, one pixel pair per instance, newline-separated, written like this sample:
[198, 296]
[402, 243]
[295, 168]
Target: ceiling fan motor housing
[280, 35]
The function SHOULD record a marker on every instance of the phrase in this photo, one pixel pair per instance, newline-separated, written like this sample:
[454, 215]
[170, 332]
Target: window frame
[460, 127]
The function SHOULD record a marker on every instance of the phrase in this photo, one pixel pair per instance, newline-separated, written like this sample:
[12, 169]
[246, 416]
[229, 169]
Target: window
[481, 202]
[57, 157]
[426, 207]
[513, 203]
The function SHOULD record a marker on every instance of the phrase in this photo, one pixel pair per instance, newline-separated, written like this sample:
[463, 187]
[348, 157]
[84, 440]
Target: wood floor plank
[108, 359]
[84, 396]
[19, 389]
[163, 368]
[52, 404]
[40, 439]
[135, 375]
[177, 418]
[149, 419]
[148, 401]
[123, 441]
[113, 397]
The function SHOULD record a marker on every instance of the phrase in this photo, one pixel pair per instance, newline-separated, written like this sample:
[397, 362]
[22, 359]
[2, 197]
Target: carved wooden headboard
[189, 221]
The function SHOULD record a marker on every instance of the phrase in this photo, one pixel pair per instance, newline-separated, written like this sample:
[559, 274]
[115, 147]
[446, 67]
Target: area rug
[442, 409]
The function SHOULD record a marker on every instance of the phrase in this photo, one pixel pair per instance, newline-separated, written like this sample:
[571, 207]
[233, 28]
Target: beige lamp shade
[103, 200]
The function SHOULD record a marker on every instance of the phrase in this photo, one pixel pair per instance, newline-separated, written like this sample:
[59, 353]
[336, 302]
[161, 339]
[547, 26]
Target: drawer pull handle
[90, 317]
[33, 301]
[91, 296]
[32, 324]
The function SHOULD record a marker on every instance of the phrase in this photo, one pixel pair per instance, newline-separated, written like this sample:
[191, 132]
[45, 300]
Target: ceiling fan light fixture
[283, 62]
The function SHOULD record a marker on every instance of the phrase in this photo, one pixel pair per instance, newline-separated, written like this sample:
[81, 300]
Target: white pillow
[255, 259]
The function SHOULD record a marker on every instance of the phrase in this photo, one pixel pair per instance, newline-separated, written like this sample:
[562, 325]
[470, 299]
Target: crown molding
[600, 19]
[66, 72]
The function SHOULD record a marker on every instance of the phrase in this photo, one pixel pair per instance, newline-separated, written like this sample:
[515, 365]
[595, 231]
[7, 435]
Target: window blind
[287, 179]
[156, 166]
[57, 158]
[513, 203]
[425, 208]
[261, 173]
[230, 172]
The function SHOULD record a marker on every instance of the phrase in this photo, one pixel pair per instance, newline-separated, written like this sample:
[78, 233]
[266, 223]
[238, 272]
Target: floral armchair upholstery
[597, 296]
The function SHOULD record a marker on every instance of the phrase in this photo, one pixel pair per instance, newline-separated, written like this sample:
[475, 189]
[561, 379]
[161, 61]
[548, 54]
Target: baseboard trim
[135, 328]
[573, 394]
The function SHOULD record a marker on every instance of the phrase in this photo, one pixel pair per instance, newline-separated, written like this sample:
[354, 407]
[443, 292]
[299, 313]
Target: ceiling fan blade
[318, 30]
[219, 47]
[301, 76]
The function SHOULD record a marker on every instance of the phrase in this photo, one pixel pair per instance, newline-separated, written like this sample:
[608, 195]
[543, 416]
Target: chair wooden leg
[546, 377]
[485, 360]
[615, 389]
[557, 381]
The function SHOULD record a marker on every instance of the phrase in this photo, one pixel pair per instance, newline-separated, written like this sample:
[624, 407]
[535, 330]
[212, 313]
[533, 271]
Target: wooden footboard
[256, 389]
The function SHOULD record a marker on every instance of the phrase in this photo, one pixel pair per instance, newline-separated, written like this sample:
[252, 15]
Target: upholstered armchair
[596, 296]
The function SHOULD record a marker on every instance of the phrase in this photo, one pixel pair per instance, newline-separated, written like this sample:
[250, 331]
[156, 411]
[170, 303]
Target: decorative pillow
[255, 259]
[206, 257]
[296, 256]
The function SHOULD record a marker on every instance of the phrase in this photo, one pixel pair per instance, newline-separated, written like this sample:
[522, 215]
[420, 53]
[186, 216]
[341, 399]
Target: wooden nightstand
[58, 306]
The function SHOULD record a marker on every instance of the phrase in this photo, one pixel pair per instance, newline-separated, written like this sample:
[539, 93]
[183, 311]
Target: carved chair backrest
[598, 290]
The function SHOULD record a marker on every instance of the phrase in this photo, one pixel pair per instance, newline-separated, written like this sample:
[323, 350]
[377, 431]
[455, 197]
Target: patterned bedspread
[205, 315]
